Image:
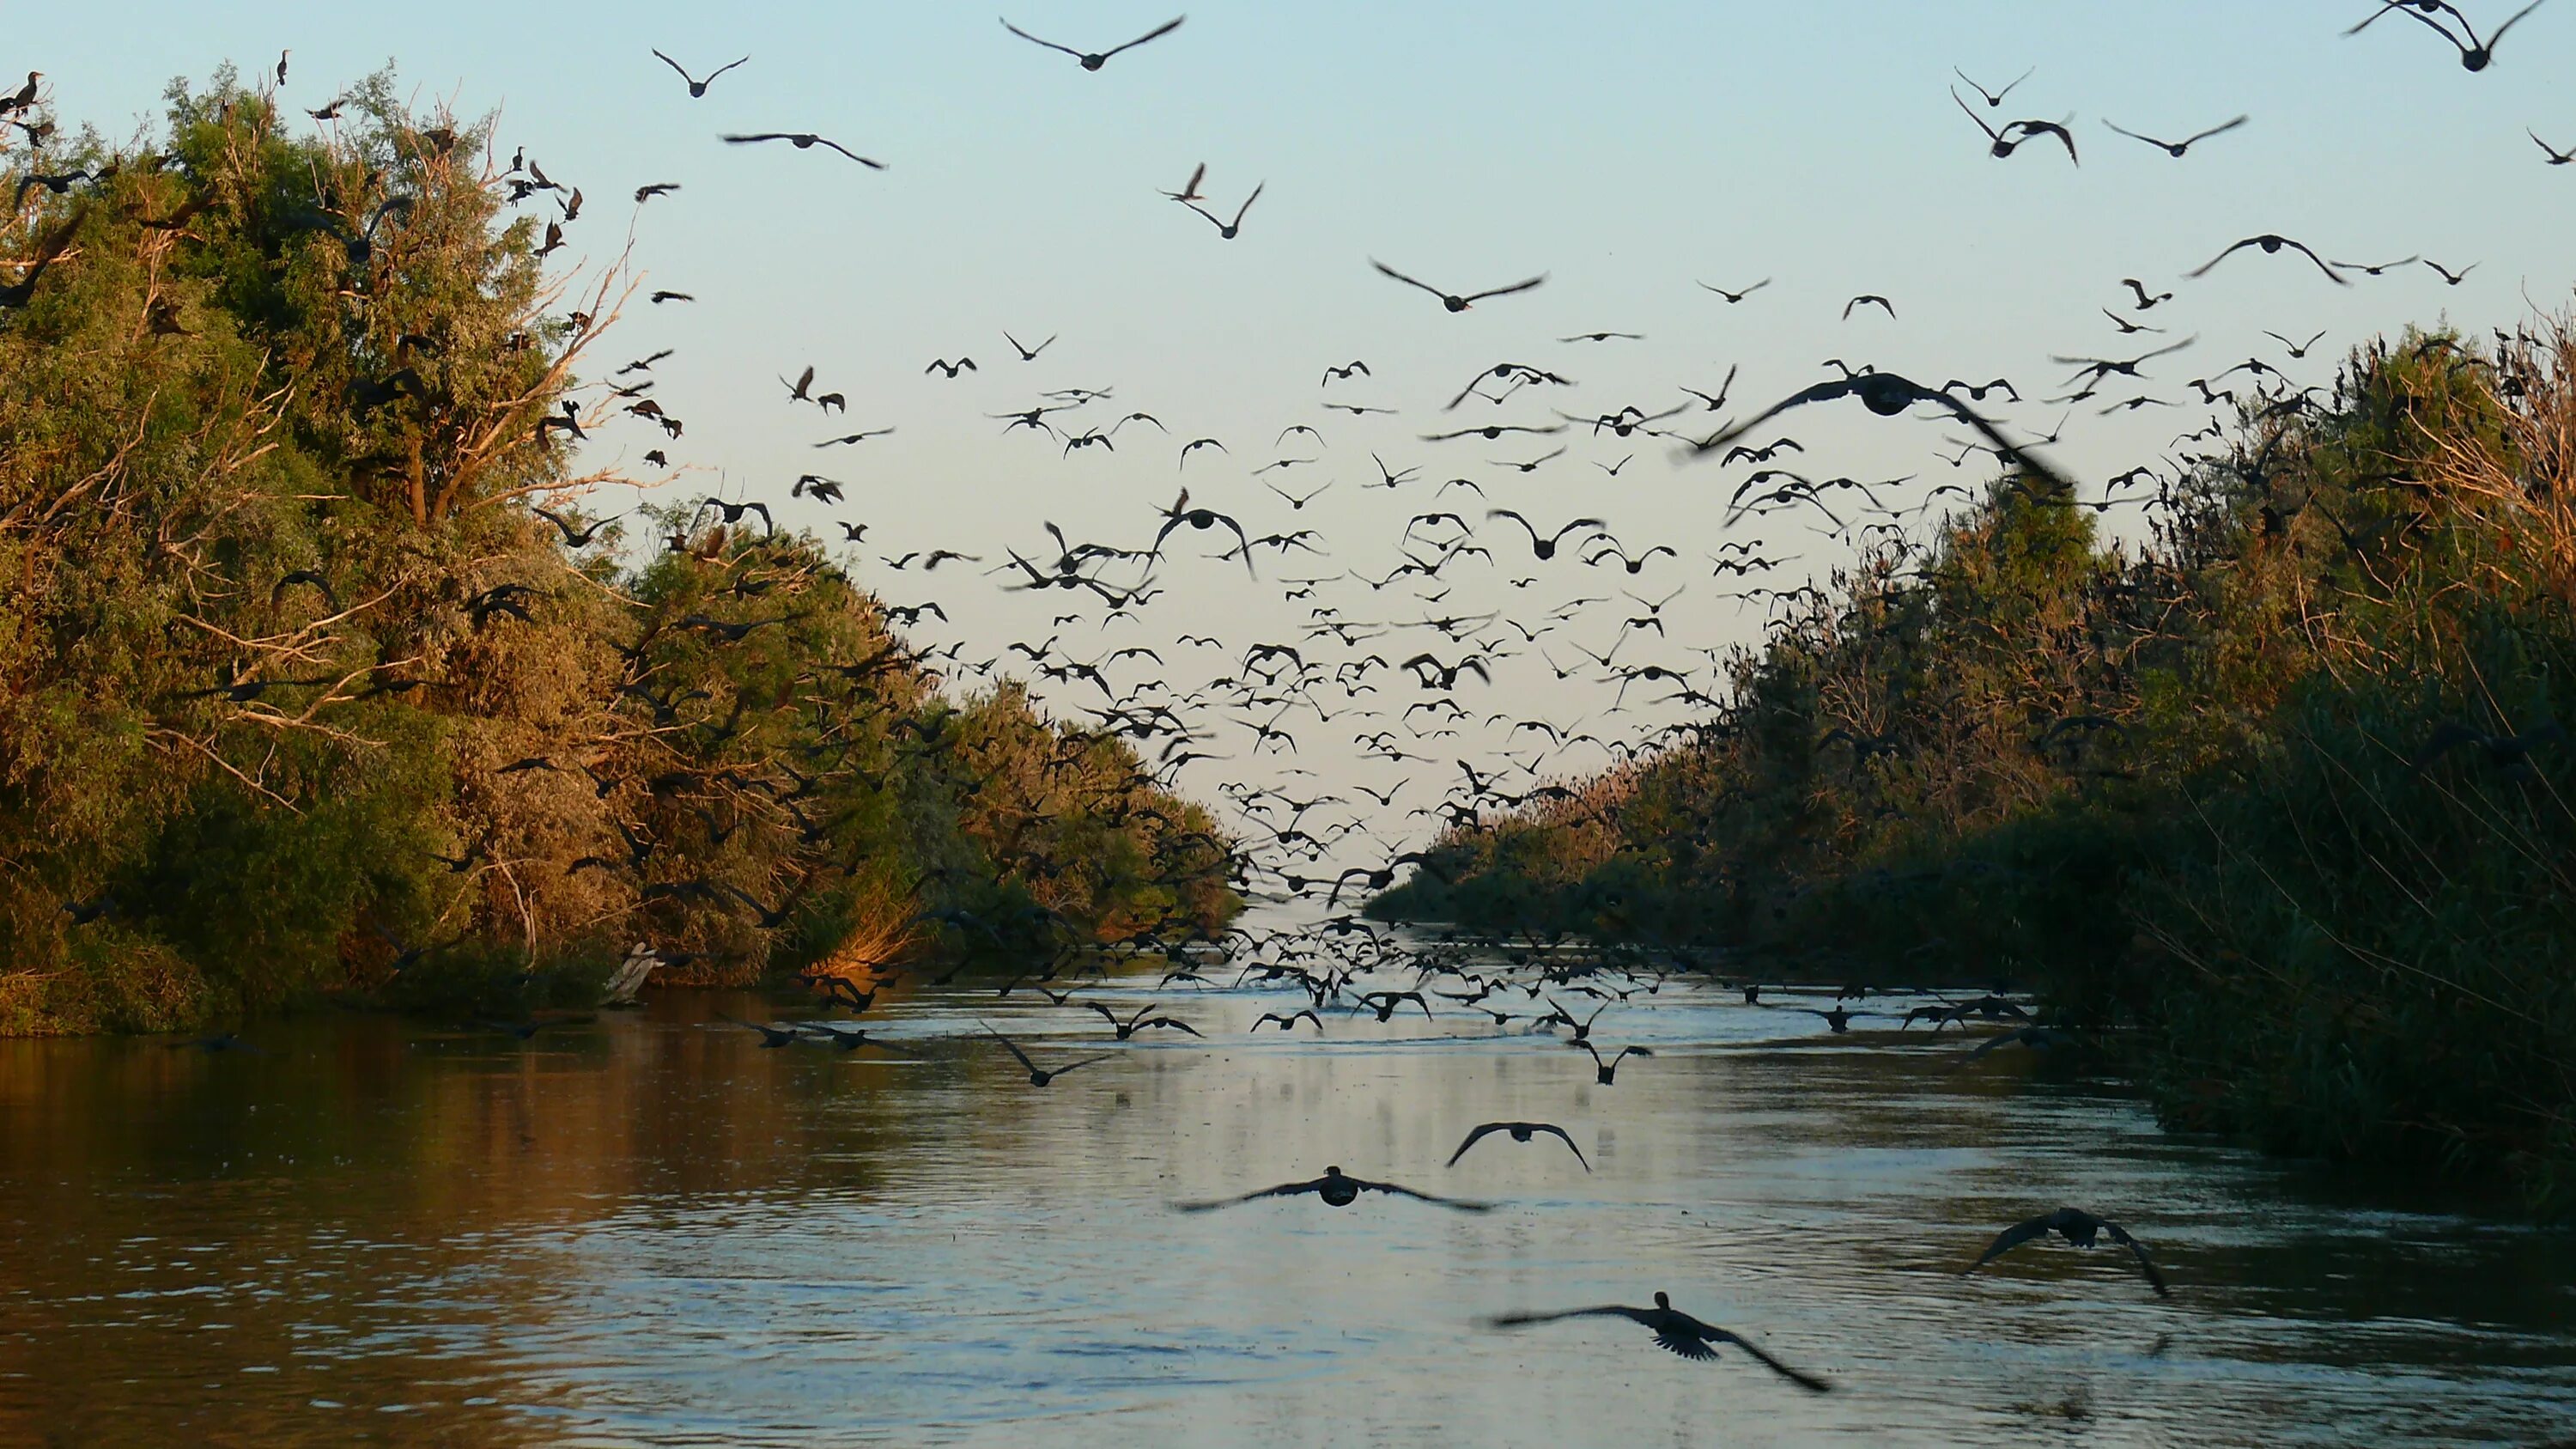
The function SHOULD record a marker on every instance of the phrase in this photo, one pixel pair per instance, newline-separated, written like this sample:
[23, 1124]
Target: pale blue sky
[1625, 149]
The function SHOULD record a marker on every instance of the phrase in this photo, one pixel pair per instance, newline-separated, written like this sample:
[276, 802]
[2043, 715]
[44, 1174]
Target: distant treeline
[2271, 806]
[298, 694]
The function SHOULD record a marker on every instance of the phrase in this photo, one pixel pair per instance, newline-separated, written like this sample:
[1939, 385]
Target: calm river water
[649, 1230]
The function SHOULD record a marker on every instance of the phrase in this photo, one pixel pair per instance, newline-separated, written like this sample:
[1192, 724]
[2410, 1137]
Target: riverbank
[2269, 799]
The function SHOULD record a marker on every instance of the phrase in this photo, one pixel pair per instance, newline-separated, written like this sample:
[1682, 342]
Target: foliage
[2274, 804]
[297, 694]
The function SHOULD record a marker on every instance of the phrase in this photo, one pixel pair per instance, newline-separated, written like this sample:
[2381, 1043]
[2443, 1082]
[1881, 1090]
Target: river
[648, 1230]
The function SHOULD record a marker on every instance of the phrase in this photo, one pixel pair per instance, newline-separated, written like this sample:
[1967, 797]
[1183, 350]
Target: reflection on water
[651, 1231]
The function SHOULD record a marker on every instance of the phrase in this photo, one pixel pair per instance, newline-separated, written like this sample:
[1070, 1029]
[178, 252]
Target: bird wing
[1076, 1066]
[720, 70]
[1247, 206]
[1410, 282]
[1563, 1136]
[1820, 392]
[1507, 291]
[1157, 33]
[731, 138]
[853, 155]
[675, 65]
[1012, 1048]
[2155, 1279]
[1049, 44]
[2011, 1238]
[1805, 1381]
[1285, 1189]
[2218, 130]
[2338, 278]
[1994, 435]
[2510, 23]
[2203, 269]
[1242, 538]
[1392, 1189]
[1990, 131]
[1479, 1135]
[1607, 1310]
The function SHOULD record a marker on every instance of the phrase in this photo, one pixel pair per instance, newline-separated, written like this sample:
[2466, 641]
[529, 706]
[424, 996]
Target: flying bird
[2475, 54]
[1337, 1189]
[1734, 297]
[697, 87]
[1888, 395]
[1675, 1332]
[802, 141]
[1607, 1073]
[1994, 98]
[2271, 243]
[2077, 1227]
[1094, 60]
[1199, 518]
[1451, 300]
[1037, 1077]
[2176, 149]
[1229, 230]
[1520, 1132]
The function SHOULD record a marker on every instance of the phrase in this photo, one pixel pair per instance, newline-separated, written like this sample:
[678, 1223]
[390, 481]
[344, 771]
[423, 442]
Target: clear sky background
[1626, 150]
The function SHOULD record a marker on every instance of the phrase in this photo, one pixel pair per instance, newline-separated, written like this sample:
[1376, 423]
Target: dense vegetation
[2271, 805]
[297, 694]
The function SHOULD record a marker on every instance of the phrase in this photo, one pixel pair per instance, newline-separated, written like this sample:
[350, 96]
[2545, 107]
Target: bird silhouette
[1038, 1077]
[802, 141]
[697, 87]
[1094, 60]
[1606, 1074]
[1454, 301]
[2078, 1228]
[1229, 230]
[1738, 296]
[1520, 1132]
[1675, 1332]
[1143, 1020]
[2272, 243]
[2176, 149]
[2475, 54]
[1337, 1189]
[1994, 98]
[1888, 395]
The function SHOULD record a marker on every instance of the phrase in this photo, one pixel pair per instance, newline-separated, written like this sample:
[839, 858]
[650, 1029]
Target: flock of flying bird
[1325, 674]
